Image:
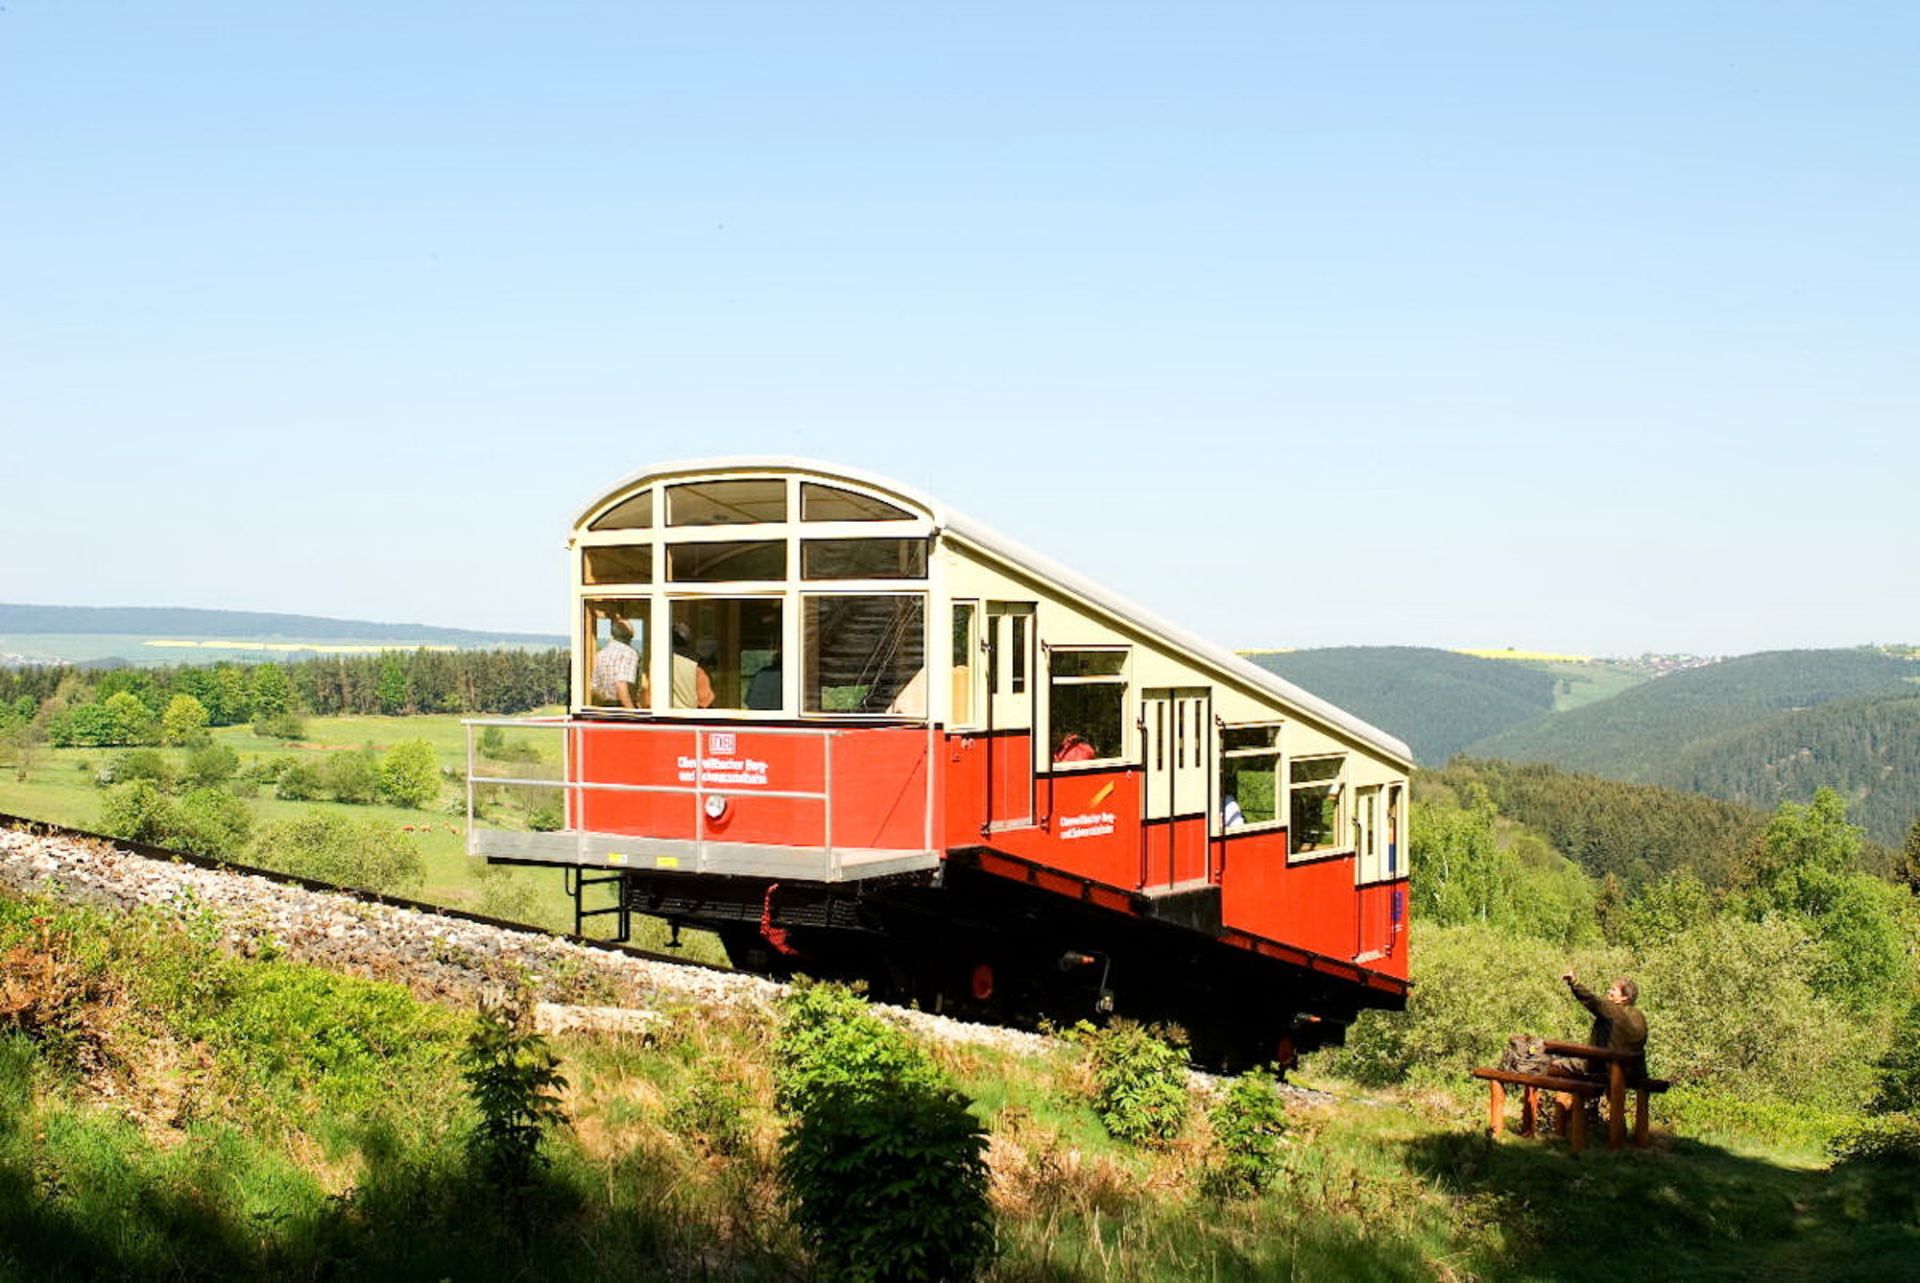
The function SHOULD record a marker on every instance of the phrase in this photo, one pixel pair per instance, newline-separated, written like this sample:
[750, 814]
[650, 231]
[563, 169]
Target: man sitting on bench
[1618, 1025]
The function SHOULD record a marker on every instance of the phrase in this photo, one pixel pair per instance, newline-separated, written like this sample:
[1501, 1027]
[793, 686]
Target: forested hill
[1759, 729]
[1435, 700]
[244, 624]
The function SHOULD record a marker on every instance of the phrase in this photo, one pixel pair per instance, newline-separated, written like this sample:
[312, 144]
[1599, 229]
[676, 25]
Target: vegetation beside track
[168, 1111]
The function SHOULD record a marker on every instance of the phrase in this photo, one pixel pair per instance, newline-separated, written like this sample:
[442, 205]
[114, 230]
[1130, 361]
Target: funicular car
[859, 735]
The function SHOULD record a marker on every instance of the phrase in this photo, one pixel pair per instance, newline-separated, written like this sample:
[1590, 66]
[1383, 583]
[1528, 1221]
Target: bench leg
[1640, 1119]
[1564, 1108]
[1530, 1112]
[1578, 1140]
[1496, 1106]
[1616, 1105]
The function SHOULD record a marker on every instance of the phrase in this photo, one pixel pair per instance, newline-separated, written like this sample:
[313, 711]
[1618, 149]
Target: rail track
[152, 852]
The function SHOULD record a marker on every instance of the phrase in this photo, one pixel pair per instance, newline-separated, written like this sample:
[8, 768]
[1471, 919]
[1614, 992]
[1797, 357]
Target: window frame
[1123, 679]
[806, 595]
[590, 650]
[1341, 791]
[1282, 816]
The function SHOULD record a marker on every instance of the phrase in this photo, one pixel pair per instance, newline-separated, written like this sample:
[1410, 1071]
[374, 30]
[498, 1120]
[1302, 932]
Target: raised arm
[1593, 1002]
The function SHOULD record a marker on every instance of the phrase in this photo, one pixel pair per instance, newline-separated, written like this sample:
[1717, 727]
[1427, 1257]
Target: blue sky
[1579, 327]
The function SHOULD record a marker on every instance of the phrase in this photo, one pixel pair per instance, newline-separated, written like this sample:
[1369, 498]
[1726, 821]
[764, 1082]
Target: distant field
[61, 790]
[1589, 682]
[149, 649]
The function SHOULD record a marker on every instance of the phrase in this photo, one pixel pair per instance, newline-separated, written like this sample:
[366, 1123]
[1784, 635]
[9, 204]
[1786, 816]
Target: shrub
[211, 765]
[139, 812]
[409, 774]
[1885, 1138]
[830, 1038]
[546, 819]
[279, 726]
[184, 722]
[352, 777]
[1898, 1088]
[515, 1083]
[1139, 1083]
[299, 780]
[505, 895]
[332, 848]
[883, 1169]
[139, 764]
[713, 1110]
[1247, 1126]
[211, 821]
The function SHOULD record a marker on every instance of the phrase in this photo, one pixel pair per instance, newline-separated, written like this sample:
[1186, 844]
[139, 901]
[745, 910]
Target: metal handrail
[698, 790]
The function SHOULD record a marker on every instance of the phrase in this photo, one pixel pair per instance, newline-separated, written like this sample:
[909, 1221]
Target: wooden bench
[1573, 1093]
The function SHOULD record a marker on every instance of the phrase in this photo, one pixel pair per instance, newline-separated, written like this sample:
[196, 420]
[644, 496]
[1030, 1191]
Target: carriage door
[1176, 741]
[1369, 916]
[1009, 644]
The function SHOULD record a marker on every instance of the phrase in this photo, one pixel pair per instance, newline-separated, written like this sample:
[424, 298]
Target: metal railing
[698, 791]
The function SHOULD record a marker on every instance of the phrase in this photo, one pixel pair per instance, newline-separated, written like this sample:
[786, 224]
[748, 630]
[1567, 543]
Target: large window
[624, 564]
[831, 503]
[1249, 777]
[863, 559]
[866, 654]
[726, 503]
[1314, 787]
[708, 563]
[1086, 705]
[726, 653]
[617, 651]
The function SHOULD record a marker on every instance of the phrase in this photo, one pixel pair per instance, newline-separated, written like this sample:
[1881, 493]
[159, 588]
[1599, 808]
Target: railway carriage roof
[966, 530]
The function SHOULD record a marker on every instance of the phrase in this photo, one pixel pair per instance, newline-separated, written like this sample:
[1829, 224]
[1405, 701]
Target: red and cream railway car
[862, 736]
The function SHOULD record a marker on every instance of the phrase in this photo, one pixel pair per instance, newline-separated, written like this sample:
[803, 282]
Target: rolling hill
[1438, 701]
[165, 621]
[1758, 730]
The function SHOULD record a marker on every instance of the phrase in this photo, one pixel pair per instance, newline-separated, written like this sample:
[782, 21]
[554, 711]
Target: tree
[1814, 836]
[392, 688]
[409, 774]
[128, 720]
[353, 777]
[184, 722]
[272, 695]
[1910, 858]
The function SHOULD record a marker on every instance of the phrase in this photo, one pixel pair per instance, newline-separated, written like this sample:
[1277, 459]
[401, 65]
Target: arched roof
[966, 531]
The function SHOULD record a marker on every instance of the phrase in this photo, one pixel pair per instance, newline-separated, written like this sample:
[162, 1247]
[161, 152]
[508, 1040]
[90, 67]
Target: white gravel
[434, 955]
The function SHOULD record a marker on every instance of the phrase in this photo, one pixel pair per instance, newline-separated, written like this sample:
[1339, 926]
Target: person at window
[764, 691]
[692, 688]
[1230, 815]
[1073, 747]
[616, 666]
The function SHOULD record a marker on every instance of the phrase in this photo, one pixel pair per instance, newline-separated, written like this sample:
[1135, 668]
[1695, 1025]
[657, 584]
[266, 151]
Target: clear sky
[1579, 327]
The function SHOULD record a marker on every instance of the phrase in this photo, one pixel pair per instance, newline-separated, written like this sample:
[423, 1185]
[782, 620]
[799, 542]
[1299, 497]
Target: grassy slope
[61, 789]
[181, 1118]
[1436, 700]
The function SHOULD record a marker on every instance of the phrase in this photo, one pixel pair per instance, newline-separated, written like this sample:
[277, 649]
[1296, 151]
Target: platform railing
[704, 851]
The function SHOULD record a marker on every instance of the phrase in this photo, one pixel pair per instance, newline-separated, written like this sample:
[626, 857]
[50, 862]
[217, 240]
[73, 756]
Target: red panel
[965, 799]
[880, 789]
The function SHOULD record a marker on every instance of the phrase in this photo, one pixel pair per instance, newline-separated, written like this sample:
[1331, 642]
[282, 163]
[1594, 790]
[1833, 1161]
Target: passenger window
[1019, 655]
[617, 653]
[703, 563]
[635, 513]
[726, 653]
[1249, 776]
[1315, 795]
[865, 654]
[1086, 705]
[627, 564]
[863, 559]
[831, 503]
[726, 503]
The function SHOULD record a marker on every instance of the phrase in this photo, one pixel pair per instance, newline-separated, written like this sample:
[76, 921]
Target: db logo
[720, 743]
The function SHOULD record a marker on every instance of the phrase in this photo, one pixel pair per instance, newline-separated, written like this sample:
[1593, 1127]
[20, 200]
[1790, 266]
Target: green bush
[140, 764]
[1139, 1082]
[352, 777]
[280, 726]
[409, 774]
[211, 821]
[211, 765]
[355, 853]
[515, 1083]
[1247, 1126]
[1897, 1090]
[712, 1109]
[139, 812]
[883, 1167]
[1883, 1138]
[830, 1038]
[299, 780]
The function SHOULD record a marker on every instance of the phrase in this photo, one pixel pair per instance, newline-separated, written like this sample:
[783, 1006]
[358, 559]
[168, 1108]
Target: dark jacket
[1616, 1027]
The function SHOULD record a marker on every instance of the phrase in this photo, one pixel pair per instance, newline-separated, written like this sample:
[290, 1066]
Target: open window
[1315, 787]
[1250, 777]
[726, 652]
[865, 654]
[1086, 706]
[617, 638]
